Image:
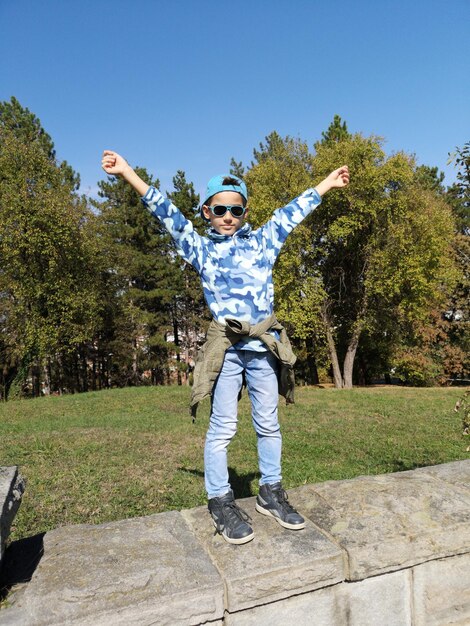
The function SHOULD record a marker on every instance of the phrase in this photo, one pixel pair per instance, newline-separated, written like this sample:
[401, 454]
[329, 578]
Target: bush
[416, 368]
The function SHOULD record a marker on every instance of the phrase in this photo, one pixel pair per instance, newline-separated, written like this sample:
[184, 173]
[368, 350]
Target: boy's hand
[337, 179]
[114, 163]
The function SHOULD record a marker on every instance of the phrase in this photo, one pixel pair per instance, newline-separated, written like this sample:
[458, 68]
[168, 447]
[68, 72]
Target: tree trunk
[363, 378]
[47, 377]
[348, 367]
[99, 371]
[350, 356]
[134, 363]
[337, 378]
[9, 375]
[36, 380]
[60, 374]
[110, 369]
[311, 362]
[84, 368]
[177, 344]
[93, 369]
[76, 372]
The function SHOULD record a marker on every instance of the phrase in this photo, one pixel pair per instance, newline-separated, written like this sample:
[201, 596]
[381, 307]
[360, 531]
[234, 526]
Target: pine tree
[48, 299]
[26, 127]
[190, 315]
[144, 285]
[237, 168]
[335, 132]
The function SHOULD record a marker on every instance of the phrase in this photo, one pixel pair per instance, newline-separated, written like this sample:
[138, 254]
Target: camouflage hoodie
[235, 270]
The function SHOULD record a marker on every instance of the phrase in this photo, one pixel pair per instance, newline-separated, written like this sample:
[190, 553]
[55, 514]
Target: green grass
[114, 454]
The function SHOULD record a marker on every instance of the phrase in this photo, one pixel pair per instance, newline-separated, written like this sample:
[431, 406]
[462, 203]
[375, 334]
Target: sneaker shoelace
[232, 512]
[281, 497]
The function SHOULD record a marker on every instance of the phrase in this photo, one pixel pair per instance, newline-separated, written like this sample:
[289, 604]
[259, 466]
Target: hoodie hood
[244, 231]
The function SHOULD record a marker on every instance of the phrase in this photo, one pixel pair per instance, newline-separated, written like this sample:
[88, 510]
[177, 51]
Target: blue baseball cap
[215, 185]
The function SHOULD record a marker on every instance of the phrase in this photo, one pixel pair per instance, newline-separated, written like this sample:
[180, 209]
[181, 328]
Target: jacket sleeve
[189, 244]
[284, 220]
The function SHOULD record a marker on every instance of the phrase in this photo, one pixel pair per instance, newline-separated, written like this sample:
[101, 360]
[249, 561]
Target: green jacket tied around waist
[222, 336]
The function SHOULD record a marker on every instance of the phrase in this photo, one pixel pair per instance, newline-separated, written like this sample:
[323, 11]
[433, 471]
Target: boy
[244, 339]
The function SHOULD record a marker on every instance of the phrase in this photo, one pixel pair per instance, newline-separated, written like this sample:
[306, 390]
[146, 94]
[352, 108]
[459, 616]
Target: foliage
[463, 404]
[189, 315]
[142, 279]
[335, 132]
[46, 306]
[459, 193]
[237, 168]
[378, 276]
[26, 127]
[457, 310]
[415, 368]
[430, 178]
[372, 256]
[152, 295]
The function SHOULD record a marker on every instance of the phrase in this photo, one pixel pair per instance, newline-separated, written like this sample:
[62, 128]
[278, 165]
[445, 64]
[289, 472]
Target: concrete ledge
[275, 565]
[11, 491]
[391, 549]
[393, 521]
[139, 571]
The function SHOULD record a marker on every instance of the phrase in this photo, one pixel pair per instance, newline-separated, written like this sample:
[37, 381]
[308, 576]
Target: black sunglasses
[219, 210]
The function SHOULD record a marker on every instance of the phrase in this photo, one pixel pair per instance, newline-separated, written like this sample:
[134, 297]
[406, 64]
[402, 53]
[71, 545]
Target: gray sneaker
[273, 502]
[230, 520]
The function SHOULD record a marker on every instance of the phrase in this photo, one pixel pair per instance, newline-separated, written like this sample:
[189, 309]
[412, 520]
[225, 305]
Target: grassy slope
[114, 454]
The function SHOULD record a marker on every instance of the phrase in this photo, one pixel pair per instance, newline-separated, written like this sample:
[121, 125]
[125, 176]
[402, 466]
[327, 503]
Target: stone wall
[11, 492]
[390, 550]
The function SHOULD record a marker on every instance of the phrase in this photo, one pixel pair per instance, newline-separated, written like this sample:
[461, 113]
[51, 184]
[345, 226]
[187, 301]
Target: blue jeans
[261, 377]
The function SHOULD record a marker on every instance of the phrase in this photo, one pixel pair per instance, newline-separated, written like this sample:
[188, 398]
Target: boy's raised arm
[113, 163]
[187, 240]
[337, 179]
[285, 219]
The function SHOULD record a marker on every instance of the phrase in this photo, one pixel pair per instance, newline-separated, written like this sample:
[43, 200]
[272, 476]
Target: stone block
[134, 572]
[456, 474]
[441, 592]
[11, 491]
[276, 564]
[384, 600]
[392, 521]
[317, 608]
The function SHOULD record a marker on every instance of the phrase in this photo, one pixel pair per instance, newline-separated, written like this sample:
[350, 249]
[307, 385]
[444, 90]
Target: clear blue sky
[187, 84]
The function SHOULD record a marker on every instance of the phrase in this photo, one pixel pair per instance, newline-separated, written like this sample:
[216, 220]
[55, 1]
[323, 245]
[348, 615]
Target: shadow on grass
[398, 465]
[241, 483]
[19, 562]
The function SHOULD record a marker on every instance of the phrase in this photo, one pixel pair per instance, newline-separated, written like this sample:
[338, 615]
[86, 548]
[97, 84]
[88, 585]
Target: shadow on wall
[19, 562]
